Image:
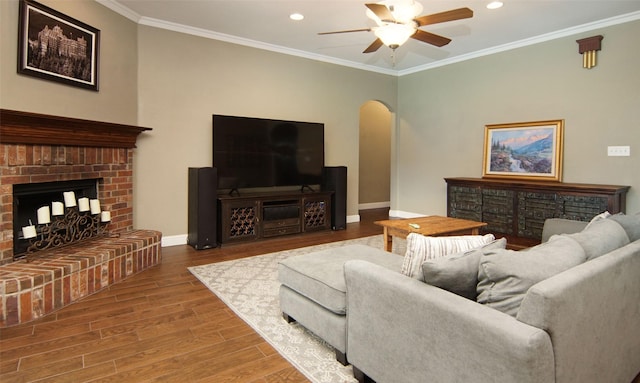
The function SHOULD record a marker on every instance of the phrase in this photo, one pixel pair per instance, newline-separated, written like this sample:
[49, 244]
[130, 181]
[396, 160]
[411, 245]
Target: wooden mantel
[41, 129]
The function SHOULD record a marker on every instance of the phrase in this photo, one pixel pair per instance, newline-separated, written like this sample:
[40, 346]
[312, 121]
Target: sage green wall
[117, 99]
[184, 79]
[442, 113]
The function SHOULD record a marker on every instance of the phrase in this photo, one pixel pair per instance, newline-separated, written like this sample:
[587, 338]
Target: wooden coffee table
[432, 225]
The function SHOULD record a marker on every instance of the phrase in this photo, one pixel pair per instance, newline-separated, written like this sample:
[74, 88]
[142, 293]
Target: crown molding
[526, 42]
[120, 9]
[162, 24]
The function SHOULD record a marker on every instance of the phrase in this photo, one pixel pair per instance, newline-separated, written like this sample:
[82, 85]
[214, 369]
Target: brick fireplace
[36, 148]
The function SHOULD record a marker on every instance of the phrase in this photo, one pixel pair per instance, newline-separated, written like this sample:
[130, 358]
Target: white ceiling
[265, 24]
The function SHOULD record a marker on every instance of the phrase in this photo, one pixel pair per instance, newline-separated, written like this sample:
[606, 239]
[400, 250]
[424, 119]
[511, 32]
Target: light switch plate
[618, 151]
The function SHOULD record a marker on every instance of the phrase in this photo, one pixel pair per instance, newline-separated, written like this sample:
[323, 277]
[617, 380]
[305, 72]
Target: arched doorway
[374, 178]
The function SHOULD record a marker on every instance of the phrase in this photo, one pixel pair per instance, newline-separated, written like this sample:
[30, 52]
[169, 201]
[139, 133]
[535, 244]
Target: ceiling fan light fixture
[394, 35]
[403, 11]
[495, 5]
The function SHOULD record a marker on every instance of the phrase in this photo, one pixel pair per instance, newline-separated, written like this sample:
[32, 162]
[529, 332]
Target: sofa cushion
[504, 276]
[458, 273]
[554, 226]
[319, 276]
[630, 224]
[421, 247]
[601, 237]
[599, 217]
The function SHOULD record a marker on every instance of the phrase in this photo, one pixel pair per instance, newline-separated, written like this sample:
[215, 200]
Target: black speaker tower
[334, 179]
[203, 186]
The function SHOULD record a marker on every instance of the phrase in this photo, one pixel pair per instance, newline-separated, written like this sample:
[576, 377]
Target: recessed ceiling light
[296, 16]
[494, 5]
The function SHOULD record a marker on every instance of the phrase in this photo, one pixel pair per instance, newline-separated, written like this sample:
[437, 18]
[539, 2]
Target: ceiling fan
[398, 20]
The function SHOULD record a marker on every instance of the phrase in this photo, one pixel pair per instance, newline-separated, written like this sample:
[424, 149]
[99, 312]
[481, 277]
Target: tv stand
[306, 187]
[254, 216]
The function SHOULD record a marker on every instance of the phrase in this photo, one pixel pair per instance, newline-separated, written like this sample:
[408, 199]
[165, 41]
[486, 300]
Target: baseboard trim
[174, 240]
[181, 239]
[405, 214]
[374, 205]
[353, 218]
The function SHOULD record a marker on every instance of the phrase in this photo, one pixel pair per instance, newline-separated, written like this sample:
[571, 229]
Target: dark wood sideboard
[517, 209]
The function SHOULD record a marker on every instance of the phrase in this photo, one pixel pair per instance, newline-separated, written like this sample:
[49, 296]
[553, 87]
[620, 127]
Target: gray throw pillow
[505, 276]
[630, 224]
[458, 273]
[601, 237]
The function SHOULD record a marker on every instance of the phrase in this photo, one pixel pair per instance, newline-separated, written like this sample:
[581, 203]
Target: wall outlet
[618, 151]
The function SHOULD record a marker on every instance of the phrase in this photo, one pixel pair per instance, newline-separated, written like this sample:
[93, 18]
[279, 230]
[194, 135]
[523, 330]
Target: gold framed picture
[524, 150]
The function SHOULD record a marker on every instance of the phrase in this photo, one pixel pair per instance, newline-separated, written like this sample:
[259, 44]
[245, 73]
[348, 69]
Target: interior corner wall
[117, 98]
[184, 79]
[375, 154]
[442, 113]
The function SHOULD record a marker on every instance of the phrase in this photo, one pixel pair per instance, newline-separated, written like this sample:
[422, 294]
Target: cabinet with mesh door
[252, 216]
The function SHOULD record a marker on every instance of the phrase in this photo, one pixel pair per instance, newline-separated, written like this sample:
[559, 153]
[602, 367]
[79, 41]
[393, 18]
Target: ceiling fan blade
[381, 11]
[374, 46]
[455, 14]
[346, 31]
[430, 38]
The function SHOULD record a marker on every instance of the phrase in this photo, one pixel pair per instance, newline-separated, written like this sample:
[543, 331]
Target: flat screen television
[258, 153]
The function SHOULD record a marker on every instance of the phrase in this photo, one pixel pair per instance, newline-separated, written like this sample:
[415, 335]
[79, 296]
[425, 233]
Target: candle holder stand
[72, 227]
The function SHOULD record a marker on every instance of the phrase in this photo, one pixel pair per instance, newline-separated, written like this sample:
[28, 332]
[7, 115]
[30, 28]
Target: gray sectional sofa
[567, 310]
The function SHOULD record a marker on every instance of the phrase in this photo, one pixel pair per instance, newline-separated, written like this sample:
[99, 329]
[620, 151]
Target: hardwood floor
[159, 325]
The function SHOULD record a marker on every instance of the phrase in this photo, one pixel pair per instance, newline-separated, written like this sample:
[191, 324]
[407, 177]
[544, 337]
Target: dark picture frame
[524, 150]
[56, 47]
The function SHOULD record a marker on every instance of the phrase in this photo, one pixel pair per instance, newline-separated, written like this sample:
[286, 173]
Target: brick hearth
[58, 277]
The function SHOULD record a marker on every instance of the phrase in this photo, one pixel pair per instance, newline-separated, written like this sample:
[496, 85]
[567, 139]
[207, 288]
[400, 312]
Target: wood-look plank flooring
[161, 325]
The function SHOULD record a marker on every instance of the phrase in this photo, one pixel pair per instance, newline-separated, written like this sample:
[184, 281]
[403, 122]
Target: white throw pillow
[421, 248]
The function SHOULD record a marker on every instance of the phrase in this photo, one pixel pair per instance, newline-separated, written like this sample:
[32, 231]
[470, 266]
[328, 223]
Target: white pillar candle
[105, 216]
[44, 215]
[83, 204]
[69, 199]
[95, 206]
[57, 208]
[29, 232]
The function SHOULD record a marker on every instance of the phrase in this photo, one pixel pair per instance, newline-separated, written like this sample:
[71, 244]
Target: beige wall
[174, 82]
[443, 112]
[117, 99]
[184, 79]
[375, 153]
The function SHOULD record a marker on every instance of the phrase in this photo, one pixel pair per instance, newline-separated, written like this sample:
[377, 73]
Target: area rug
[249, 286]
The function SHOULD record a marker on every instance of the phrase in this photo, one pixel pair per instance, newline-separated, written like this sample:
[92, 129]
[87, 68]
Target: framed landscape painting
[56, 47]
[524, 150]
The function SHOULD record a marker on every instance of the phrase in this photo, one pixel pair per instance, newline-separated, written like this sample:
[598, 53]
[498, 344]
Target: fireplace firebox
[28, 198]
